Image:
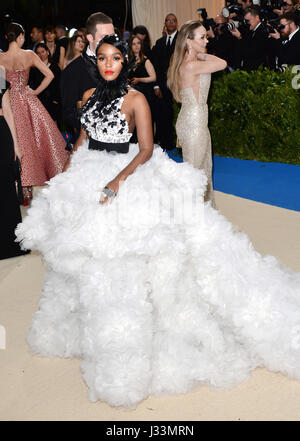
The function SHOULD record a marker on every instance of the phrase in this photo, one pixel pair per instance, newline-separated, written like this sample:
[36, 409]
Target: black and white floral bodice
[109, 126]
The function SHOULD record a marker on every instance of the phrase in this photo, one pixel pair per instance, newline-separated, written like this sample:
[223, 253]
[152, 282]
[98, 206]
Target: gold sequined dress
[193, 133]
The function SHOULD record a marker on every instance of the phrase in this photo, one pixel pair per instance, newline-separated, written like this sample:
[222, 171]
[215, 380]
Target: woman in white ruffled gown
[151, 288]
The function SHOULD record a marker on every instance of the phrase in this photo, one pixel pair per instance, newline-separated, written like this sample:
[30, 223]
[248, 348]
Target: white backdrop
[151, 13]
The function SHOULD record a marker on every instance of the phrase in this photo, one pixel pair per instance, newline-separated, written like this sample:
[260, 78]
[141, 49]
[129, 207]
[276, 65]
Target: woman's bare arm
[143, 123]
[8, 115]
[150, 71]
[207, 64]
[142, 115]
[61, 62]
[36, 62]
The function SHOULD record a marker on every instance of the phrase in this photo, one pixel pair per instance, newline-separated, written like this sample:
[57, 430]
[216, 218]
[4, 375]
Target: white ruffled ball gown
[155, 292]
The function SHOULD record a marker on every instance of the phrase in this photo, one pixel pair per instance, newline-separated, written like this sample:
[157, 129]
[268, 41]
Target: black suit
[289, 52]
[64, 41]
[253, 47]
[164, 114]
[77, 77]
[225, 46]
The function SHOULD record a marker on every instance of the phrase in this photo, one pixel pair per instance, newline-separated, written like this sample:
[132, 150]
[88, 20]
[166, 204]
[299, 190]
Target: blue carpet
[271, 183]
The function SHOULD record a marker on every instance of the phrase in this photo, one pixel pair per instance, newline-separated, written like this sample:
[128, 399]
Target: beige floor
[33, 388]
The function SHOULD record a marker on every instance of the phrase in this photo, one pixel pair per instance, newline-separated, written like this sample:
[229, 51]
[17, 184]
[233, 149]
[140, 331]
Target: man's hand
[134, 81]
[275, 35]
[158, 93]
[210, 33]
[236, 33]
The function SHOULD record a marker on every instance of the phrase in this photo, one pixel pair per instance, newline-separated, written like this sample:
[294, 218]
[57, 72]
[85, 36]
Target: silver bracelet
[109, 193]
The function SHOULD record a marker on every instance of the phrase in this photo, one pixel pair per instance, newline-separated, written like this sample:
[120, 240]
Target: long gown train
[155, 292]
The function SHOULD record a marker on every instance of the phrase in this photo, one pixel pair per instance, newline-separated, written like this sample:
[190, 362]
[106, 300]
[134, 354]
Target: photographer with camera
[253, 44]
[245, 3]
[287, 6]
[287, 41]
[222, 44]
[234, 12]
[233, 9]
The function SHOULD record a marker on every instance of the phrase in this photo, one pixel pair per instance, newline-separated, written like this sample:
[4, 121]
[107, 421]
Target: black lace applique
[101, 115]
[107, 126]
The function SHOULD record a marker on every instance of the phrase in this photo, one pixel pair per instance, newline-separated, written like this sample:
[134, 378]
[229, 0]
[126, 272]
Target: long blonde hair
[186, 31]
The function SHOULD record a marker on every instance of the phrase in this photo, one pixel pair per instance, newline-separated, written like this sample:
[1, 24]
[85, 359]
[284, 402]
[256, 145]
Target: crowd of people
[248, 35]
[148, 74]
[245, 35]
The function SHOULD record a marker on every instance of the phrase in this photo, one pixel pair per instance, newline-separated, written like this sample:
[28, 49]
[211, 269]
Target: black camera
[203, 13]
[207, 22]
[235, 24]
[233, 8]
[271, 4]
[231, 25]
[267, 9]
[273, 25]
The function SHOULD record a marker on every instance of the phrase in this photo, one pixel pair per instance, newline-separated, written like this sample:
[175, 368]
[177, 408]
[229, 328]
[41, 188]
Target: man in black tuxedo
[79, 76]
[61, 35]
[223, 44]
[253, 45]
[161, 55]
[287, 41]
[36, 36]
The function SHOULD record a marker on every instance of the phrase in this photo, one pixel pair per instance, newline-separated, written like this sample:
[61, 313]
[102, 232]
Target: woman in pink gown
[41, 144]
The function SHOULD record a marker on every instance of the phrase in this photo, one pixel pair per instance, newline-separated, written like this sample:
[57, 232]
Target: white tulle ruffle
[155, 292]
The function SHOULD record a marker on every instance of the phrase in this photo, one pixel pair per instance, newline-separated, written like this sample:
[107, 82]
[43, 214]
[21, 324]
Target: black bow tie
[90, 58]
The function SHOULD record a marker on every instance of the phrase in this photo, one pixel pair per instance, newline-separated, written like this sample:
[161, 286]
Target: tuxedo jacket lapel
[174, 41]
[91, 67]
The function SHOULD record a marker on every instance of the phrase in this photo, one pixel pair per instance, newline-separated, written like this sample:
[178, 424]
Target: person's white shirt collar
[89, 52]
[293, 33]
[172, 37]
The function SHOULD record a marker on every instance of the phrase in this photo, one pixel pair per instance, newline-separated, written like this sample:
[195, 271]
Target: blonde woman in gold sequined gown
[189, 79]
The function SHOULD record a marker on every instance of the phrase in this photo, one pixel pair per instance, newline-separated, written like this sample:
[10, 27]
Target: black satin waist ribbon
[109, 147]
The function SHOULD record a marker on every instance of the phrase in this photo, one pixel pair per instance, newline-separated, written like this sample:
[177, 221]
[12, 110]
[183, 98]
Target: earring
[189, 49]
